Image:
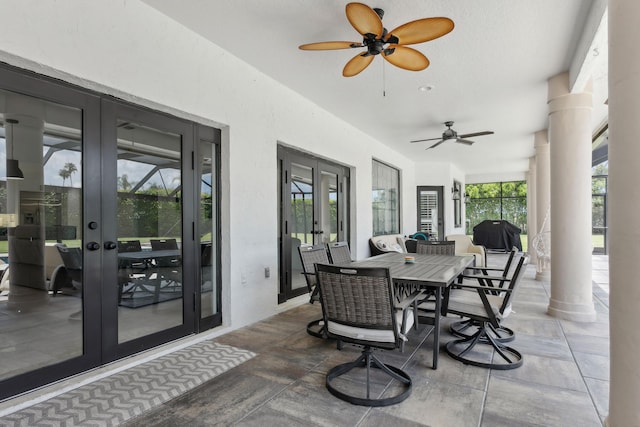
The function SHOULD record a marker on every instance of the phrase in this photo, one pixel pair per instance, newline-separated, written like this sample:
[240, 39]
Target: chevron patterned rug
[115, 399]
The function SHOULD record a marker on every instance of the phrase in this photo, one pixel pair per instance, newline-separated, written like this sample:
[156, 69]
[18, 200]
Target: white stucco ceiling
[489, 73]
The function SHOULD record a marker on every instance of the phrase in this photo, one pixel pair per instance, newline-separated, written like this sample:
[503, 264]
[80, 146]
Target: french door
[430, 212]
[109, 230]
[145, 176]
[313, 210]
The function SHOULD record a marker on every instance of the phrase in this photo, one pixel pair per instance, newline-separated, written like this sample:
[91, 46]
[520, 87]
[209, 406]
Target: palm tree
[71, 169]
[64, 173]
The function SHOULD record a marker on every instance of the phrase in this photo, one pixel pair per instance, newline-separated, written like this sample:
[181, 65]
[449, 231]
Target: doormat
[122, 396]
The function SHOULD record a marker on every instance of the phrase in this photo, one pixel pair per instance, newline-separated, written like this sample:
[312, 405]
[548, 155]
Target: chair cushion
[468, 301]
[366, 334]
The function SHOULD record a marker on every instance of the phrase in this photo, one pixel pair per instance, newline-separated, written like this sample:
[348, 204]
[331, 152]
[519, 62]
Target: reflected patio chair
[309, 256]
[482, 305]
[169, 268]
[491, 277]
[358, 306]
[339, 252]
[132, 275]
[68, 276]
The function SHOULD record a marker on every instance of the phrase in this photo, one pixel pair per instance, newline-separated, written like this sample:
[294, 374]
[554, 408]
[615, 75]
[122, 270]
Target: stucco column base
[570, 311]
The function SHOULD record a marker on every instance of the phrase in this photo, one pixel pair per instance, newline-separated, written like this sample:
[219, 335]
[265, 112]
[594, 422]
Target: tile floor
[564, 380]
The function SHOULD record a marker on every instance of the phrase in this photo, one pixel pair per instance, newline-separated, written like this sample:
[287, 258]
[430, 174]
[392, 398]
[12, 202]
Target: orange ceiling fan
[390, 44]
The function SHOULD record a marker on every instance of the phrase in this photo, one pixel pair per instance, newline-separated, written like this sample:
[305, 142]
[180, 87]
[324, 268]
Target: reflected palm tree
[67, 172]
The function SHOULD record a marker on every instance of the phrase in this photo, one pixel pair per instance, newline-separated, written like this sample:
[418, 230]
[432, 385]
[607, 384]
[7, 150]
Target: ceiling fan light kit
[390, 44]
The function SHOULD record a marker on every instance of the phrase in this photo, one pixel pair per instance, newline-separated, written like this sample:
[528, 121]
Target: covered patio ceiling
[489, 74]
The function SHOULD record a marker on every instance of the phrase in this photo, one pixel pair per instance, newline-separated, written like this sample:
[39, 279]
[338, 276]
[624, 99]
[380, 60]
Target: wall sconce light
[467, 199]
[13, 170]
[455, 193]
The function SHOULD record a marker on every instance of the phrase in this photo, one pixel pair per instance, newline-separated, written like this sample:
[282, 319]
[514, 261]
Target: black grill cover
[497, 234]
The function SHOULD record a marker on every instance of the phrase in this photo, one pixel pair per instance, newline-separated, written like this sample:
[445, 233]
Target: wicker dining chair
[339, 252]
[358, 306]
[426, 307]
[436, 247]
[310, 255]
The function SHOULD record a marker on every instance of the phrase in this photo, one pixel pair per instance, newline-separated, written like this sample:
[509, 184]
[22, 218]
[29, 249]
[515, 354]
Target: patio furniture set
[374, 302]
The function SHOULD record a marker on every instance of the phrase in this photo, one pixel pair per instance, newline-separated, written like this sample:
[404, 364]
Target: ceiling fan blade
[330, 45]
[423, 140]
[356, 65]
[406, 58]
[471, 135]
[364, 19]
[464, 141]
[436, 144]
[422, 30]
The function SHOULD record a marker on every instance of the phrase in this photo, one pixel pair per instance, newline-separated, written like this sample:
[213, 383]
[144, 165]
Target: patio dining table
[432, 272]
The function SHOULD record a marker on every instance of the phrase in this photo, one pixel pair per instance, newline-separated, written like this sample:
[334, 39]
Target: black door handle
[93, 246]
[110, 245]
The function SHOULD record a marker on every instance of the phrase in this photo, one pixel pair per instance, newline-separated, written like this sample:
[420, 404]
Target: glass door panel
[329, 207]
[149, 230]
[208, 226]
[41, 262]
[302, 218]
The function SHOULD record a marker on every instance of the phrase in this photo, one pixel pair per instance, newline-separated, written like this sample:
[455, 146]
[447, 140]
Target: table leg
[436, 327]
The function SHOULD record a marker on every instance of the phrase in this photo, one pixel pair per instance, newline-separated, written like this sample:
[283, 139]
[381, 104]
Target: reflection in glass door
[43, 295]
[149, 230]
[313, 211]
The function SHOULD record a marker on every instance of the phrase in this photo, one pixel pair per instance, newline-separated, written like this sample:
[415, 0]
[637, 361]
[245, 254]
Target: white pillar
[571, 245]
[531, 210]
[543, 201]
[624, 200]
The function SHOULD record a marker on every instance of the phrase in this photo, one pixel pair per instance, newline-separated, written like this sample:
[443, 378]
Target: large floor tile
[309, 399]
[588, 344]
[439, 404]
[541, 346]
[516, 403]
[545, 371]
[377, 418]
[599, 391]
[594, 329]
[593, 365]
